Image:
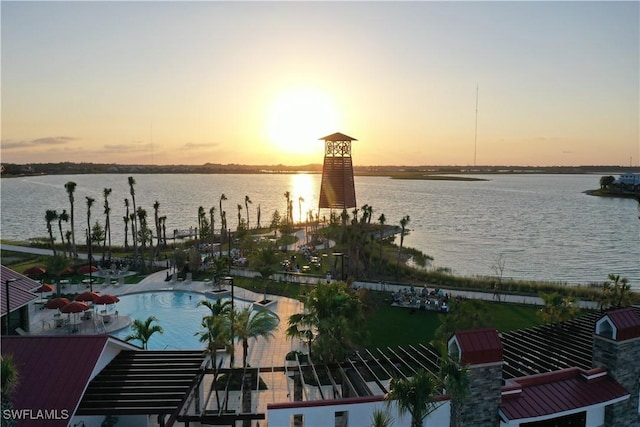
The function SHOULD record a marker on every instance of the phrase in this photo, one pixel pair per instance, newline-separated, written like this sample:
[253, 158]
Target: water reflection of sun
[304, 196]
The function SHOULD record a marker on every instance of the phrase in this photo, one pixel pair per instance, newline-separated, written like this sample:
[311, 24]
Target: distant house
[629, 181]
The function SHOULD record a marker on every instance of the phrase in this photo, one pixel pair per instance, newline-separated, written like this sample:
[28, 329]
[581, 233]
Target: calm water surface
[543, 227]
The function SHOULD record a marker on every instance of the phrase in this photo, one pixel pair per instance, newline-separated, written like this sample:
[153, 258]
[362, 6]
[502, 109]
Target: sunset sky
[260, 82]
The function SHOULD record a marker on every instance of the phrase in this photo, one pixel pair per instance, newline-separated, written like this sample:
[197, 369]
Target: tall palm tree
[415, 395]
[90, 202]
[9, 381]
[143, 330]
[287, 195]
[300, 202]
[456, 381]
[381, 219]
[223, 226]
[144, 234]
[247, 202]
[64, 216]
[57, 265]
[71, 188]
[134, 222]
[200, 217]
[252, 324]
[215, 334]
[107, 222]
[126, 224]
[239, 215]
[156, 220]
[163, 221]
[403, 225]
[51, 216]
[212, 216]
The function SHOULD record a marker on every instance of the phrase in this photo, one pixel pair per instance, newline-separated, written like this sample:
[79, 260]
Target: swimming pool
[177, 312]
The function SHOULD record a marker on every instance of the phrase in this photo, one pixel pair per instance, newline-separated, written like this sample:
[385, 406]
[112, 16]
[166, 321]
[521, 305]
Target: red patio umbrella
[106, 299]
[45, 288]
[35, 271]
[74, 307]
[86, 297]
[85, 269]
[57, 303]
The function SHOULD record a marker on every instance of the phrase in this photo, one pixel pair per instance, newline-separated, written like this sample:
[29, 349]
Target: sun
[298, 117]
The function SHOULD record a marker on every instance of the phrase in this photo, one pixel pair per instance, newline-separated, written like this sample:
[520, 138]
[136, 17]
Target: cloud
[194, 146]
[132, 147]
[39, 142]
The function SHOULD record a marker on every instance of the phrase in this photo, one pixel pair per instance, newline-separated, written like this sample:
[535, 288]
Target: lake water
[543, 227]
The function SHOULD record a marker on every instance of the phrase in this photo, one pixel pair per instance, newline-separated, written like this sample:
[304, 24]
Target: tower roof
[337, 137]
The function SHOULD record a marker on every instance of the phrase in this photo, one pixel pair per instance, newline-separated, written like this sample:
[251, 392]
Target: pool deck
[261, 351]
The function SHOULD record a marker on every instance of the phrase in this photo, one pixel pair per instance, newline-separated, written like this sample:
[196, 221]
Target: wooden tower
[337, 189]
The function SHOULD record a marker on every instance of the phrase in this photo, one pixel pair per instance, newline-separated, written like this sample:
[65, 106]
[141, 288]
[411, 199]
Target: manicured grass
[392, 326]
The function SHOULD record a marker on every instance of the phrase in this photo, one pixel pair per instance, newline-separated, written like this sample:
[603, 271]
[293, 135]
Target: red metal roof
[551, 394]
[627, 323]
[53, 372]
[337, 137]
[19, 290]
[479, 346]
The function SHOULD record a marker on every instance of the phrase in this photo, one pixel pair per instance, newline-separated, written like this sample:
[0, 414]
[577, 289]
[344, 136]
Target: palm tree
[134, 223]
[90, 201]
[332, 322]
[287, 195]
[50, 216]
[414, 395]
[381, 219]
[620, 293]
[215, 334]
[557, 307]
[107, 222]
[57, 265]
[64, 216]
[381, 418]
[143, 330]
[144, 234]
[239, 215]
[126, 223]
[71, 188]
[212, 216]
[403, 224]
[252, 324]
[456, 381]
[219, 308]
[300, 201]
[9, 381]
[222, 224]
[247, 202]
[163, 220]
[156, 221]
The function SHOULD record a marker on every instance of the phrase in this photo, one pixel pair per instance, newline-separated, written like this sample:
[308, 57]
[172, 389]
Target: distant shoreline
[395, 172]
[608, 193]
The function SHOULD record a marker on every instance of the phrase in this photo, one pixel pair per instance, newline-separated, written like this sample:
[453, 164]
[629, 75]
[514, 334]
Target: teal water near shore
[542, 227]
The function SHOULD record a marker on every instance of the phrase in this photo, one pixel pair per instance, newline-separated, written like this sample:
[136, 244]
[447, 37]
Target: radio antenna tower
[475, 138]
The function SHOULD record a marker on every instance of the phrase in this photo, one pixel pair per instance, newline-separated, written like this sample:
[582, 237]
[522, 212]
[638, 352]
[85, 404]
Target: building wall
[485, 395]
[359, 415]
[621, 360]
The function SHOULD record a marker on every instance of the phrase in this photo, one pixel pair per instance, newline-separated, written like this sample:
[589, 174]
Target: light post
[8, 319]
[229, 280]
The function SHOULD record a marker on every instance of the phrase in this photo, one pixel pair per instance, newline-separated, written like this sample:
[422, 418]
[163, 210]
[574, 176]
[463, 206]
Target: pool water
[177, 312]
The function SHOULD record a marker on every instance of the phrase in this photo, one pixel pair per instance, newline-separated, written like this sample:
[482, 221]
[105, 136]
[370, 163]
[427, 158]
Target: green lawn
[392, 326]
